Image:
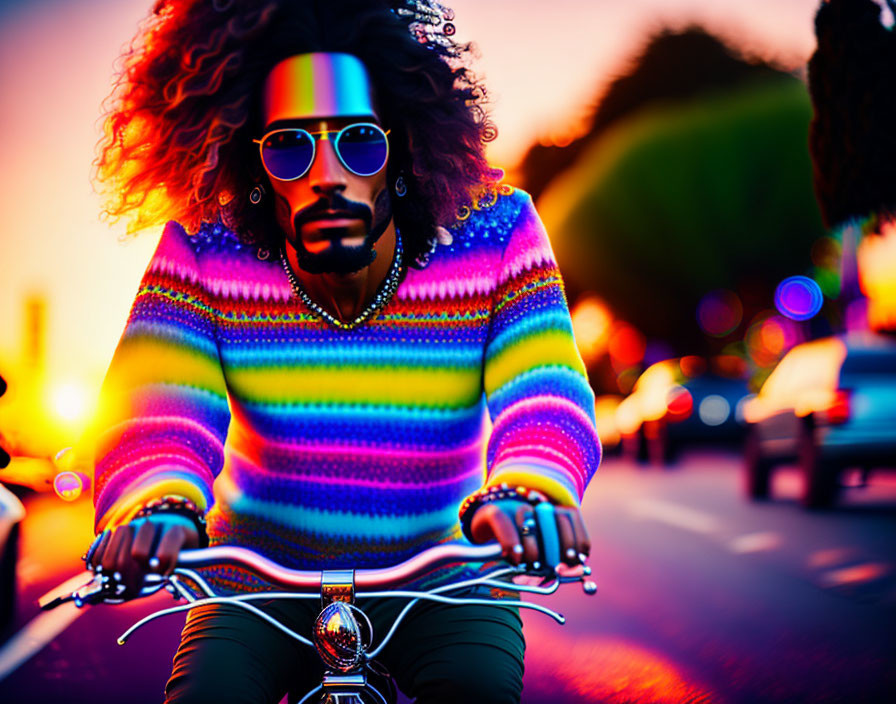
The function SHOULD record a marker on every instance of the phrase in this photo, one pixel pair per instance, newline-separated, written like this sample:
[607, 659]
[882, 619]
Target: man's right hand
[143, 546]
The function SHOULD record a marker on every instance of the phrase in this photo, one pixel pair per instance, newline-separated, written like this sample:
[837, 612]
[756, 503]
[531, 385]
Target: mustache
[335, 205]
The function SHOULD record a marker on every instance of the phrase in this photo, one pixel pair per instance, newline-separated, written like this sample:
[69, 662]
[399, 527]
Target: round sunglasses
[287, 154]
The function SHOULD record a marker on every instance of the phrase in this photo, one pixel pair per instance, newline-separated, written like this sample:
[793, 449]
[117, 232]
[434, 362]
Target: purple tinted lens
[363, 149]
[287, 154]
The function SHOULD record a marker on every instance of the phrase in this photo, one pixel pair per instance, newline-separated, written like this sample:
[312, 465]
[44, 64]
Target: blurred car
[607, 429]
[683, 401]
[829, 404]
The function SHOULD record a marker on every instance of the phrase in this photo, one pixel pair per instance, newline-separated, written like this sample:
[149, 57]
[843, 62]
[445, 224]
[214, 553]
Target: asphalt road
[703, 597]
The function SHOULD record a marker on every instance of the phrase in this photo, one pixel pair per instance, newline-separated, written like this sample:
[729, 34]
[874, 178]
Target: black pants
[441, 653]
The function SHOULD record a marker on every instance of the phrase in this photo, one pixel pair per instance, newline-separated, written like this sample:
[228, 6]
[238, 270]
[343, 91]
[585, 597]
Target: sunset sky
[543, 63]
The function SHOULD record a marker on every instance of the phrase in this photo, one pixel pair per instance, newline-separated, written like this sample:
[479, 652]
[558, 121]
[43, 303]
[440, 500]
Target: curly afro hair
[180, 121]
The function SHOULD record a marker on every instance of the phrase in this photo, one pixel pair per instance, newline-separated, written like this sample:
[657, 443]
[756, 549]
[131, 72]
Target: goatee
[337, 258]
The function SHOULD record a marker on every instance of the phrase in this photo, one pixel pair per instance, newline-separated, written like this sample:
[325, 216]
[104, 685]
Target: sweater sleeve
[541, 405]
[163, 411]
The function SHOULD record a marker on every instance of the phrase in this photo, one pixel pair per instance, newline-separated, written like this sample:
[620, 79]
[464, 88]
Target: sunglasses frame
[322, 135]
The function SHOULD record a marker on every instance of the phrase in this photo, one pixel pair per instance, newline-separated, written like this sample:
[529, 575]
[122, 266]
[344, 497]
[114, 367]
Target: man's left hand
[513, 524]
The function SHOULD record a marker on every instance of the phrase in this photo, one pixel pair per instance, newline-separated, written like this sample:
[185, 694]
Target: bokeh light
[714, 409]
[739, 408]
[68, 485]
[628, 415]
[626, 346]
[730, 365]
[769, 337]
[653, 388]
[719, 313]
[679, 402]
[772, 336]
[692, 365]
[877, 276]
[605, 419]
[798, 298]
[591, 321]
[70, 401]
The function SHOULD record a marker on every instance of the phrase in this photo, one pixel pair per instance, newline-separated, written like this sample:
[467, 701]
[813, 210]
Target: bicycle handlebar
[307, 580]
[105, 588]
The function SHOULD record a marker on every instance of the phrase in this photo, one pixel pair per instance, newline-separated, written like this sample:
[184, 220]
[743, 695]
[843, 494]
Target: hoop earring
[256, 194]
[401, 188]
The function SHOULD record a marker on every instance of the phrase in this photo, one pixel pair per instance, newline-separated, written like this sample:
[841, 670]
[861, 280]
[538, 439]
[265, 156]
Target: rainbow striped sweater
[325, 448]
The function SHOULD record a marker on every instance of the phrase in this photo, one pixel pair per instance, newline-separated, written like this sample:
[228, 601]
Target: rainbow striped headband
[317, 85]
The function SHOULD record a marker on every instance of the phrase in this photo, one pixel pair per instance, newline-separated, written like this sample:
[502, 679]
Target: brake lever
[101, 589]
[565, 575]
[86, 593]
[588, 585]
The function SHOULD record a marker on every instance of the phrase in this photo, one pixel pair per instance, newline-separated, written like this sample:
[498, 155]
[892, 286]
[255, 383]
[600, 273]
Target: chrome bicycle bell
[338, 638]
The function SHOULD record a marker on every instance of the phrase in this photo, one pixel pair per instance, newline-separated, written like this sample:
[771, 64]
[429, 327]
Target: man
[850, 145]
[311, 354]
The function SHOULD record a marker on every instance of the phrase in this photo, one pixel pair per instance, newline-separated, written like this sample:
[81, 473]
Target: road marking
[39, 631]
[674, 515]
[857, 574]
[755, 542]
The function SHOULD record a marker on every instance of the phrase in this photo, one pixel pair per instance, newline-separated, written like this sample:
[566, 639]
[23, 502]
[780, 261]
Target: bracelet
[180, 507]
[496, 492]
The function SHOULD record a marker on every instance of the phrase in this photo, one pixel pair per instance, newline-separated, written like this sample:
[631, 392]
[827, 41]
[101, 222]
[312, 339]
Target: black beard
[337, 259]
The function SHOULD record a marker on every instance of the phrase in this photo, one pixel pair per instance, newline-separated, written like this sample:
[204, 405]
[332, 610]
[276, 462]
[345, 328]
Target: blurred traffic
[829, 405]
[683, 401]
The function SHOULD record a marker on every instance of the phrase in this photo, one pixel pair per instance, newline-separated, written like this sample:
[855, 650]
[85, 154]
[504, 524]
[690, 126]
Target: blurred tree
[694, 176]
[679, 200]
[674, 67]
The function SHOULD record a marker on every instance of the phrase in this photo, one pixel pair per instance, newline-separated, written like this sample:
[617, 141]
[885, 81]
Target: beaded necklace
[383, 294]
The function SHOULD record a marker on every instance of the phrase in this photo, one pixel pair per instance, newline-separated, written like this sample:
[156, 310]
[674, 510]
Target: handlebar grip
[547, 528]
